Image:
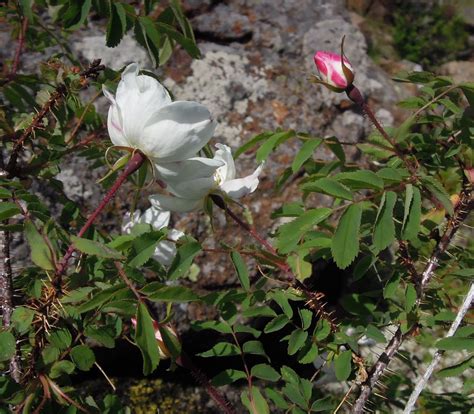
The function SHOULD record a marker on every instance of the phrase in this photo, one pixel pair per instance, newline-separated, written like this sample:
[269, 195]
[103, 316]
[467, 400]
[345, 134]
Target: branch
[462, 210]
[183, 360]
[315, 300]
[35, 124]
[19, 49]
[355, 96]
[6, 294]
[421, 384]
[90, 73]
[134, 164]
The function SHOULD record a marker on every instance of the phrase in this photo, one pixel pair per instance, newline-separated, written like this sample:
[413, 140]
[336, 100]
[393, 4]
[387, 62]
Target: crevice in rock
[221, 40]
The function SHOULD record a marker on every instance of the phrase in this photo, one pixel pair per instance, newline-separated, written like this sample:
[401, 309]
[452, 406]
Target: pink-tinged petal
[114, 126]
[331, 71]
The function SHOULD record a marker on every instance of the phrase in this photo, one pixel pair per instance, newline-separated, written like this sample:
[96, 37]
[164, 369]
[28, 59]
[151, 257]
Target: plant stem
[315, 300]
[421, 384]
[19, 49]
[462, 210]
[6, 294]
[135, 162]
[184, 361]
[36, 123]
[127, 281]
[355, 96]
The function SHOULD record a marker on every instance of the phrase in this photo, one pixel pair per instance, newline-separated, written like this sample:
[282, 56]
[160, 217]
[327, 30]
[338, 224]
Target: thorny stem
[421, 384]
[355, 96]
[90, 73]
[127, 281]
[244, 363]
[183, 360]
[315, 300]
[19, 49]
[37, 121]
[135, 162]
[461, 212]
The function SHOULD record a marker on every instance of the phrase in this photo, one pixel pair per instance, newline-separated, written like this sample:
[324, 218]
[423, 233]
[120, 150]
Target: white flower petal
[114, 126]
[177, 131]
[165, 252]
[196, 167]
[129, 220]
[242, 186]
[227, 171]
[157, 218]
[138, 98]
[170, 203]
[192, 178]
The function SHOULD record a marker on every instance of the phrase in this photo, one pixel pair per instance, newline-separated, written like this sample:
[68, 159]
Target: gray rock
[225, 82]
[349, 126]
[460, 71]
[223, 24]
[128, 51]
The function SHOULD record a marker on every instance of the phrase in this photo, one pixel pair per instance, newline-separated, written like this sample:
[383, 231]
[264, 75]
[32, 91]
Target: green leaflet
[146, 341]
[345, 243]
[384, 231]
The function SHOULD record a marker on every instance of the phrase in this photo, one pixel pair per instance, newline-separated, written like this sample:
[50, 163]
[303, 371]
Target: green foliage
[377, 221]
[428, 33]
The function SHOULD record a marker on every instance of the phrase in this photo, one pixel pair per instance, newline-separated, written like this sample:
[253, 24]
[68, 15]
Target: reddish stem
[355, 96]
[254, 233]
[134, 164]
[184, 361]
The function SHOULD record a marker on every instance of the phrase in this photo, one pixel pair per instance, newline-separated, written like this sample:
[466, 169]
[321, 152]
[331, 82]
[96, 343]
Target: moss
[151, 396]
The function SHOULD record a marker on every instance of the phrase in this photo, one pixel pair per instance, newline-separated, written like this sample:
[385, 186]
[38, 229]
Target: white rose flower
[142, 116]
[165, 250]
[192, 180]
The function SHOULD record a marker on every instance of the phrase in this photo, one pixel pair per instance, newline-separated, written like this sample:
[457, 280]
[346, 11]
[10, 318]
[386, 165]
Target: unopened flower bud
[335, 71]
[163, 350]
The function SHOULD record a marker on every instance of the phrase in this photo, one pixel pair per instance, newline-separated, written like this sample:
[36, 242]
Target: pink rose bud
[164, 352]
[335, 71]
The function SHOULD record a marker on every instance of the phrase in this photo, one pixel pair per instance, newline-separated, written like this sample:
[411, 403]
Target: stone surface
[222, 24]
[91, 47]
[460, 71]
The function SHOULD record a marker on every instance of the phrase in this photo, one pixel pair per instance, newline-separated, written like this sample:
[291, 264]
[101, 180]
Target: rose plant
[395, 225]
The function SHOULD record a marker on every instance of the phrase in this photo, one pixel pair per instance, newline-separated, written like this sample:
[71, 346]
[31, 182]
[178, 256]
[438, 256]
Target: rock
[460, 71]
[349, 126]
[226, 82]
[223, 24]
[385, 117]
[79, 180]
[128, 51]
